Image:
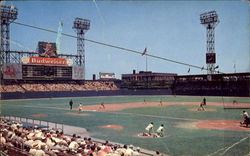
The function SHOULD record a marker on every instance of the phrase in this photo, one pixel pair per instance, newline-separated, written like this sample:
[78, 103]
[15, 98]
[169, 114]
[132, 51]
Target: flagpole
[146, 63]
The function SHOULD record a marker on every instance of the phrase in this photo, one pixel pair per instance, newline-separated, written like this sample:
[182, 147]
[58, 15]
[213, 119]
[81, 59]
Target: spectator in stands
[129, 151]
[137, 152]
[2, 139]
[158, 153]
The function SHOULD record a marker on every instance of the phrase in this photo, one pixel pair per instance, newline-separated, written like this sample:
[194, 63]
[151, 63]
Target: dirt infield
[114, 127]
[122, 106]
[39, 115]
[153, 135]
[222, 125]
[76, 114]
[206, 109]
[201, 124]
[213, 125]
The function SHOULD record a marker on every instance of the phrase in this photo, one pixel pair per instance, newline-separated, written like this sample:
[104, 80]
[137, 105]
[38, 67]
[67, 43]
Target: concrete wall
[31, 95]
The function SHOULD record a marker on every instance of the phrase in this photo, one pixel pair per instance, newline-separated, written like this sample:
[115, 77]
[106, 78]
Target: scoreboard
[210, 58]
[43, 68]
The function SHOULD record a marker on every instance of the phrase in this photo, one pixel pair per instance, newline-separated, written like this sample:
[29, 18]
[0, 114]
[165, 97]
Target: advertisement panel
[77, 72]
[105, 75]
[47, 61]
[12, 71]
[210, 58]
[47, 49]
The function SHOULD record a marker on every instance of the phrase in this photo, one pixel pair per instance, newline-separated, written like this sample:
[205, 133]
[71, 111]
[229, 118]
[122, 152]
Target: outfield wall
[57, 94]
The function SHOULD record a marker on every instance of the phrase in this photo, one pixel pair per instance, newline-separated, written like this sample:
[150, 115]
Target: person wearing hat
[246, 119]
[40, 151]
[160, 131]
[71, 104]
[73, 144]
[149, 128]
[137, 152]
[129, 151]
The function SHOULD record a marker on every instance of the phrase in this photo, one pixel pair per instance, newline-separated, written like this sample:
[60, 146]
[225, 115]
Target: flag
[188, 70]
[234, 68]
[58, 38]
[144, 52]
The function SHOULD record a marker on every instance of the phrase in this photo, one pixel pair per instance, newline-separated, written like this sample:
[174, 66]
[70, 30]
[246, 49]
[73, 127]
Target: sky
[169, 29]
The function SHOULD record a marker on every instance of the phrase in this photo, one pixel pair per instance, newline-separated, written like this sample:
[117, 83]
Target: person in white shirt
[245, 115]
[40, 151]
[73, 144]
[80, 107]
[160, 131]
[149, 128]
[246, 119]
[2, 139]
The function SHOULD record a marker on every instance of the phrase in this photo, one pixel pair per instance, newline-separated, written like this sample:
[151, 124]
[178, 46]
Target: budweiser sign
[48, 61]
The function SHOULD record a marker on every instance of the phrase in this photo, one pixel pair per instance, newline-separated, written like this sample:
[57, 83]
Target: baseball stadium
[48, 107]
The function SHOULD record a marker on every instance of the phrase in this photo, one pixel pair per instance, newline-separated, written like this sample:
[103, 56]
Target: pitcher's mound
[115, 127]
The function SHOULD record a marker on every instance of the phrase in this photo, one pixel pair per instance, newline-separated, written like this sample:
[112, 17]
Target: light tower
[81, 26]
[8, 14]
[210, 20]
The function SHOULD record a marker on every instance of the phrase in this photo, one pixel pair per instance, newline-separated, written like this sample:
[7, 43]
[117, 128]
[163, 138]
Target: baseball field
[215, 131]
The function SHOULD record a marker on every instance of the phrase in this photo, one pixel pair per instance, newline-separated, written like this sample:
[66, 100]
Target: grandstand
[24, 139]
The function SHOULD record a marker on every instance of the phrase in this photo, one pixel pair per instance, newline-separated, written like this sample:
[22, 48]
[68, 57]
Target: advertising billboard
[12, 71]
[47, 49]
[77, 72]
[105, 75]
[210, 58]
[47, 61]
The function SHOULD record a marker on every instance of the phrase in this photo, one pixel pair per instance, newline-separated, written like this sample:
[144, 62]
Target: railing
[40, 123]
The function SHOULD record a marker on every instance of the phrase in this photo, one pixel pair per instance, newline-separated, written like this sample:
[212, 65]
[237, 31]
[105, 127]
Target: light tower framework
[210, 20]
[8, 14]
[81, 26]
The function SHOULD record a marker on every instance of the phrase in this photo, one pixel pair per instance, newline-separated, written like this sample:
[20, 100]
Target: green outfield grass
[179, 141]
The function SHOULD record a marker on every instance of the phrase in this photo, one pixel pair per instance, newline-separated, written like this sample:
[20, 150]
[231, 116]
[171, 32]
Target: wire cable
[117, 47]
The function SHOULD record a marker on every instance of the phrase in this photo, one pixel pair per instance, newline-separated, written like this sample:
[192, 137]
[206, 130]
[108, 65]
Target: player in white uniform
[160, 131]
[149, 128]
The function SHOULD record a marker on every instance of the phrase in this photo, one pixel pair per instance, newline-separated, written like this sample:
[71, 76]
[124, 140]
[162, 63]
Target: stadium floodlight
[81, 26]
[210, 20]
[7, 15]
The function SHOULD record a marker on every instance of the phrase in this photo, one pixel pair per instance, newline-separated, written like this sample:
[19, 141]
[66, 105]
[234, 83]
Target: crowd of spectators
[42, 142]
[58, 86]
[11, 88]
